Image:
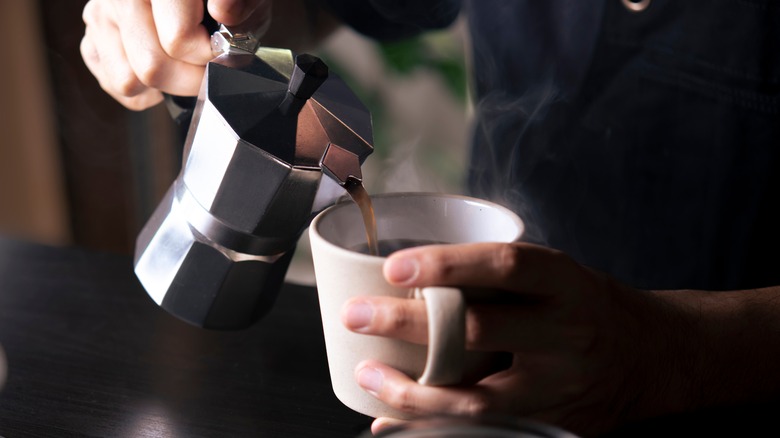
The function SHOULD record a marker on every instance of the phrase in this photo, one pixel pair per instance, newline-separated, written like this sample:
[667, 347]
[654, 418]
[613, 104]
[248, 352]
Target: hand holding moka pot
[267, 125]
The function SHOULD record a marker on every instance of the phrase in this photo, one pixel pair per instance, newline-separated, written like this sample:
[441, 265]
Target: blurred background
[77, 168]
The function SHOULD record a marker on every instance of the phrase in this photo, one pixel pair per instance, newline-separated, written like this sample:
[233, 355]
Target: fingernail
[383, 423]
[401, 269]
[358, 315]
[370, 379]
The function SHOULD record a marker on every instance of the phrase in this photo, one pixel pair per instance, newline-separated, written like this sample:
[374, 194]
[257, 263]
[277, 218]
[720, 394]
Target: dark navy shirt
[644, 144]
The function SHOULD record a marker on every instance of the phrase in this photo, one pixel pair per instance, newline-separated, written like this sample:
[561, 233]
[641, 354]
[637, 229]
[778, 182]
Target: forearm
[714, 348]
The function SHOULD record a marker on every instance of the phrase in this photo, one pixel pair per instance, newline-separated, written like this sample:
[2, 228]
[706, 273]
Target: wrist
[664, 370]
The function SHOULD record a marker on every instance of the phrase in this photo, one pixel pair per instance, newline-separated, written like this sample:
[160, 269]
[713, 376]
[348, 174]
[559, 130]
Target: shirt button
[636, 5]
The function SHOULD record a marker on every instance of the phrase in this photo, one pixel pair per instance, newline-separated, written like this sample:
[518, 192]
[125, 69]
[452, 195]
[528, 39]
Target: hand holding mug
[580, 352]
[343, 273]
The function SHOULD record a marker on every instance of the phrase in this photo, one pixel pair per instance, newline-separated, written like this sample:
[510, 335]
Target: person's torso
[645, 144]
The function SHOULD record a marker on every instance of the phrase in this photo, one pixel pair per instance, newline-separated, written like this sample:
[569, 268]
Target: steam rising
[503, 126]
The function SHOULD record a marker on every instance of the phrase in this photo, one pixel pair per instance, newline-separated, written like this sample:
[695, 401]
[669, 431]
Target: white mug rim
[345, 202]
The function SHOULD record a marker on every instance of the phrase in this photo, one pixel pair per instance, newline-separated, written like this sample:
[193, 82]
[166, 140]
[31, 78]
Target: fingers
[105, 58]
[515, 267]
[231, 12]
[488, 327]
[488, 266]
[528, 325]
[254, 15]
[153, 67]
[449, 265]
[383, 423]
[512, 391]
[401, 392]
[180, 32]
[138, 49]
[396, 317]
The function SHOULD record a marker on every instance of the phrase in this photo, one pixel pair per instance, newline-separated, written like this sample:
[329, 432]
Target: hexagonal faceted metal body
[200, 281]
[215, 251]
[242, 187]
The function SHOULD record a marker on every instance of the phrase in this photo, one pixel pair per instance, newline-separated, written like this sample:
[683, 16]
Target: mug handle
[446, 310]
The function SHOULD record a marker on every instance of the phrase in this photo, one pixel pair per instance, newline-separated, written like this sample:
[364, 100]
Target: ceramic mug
[343, 272]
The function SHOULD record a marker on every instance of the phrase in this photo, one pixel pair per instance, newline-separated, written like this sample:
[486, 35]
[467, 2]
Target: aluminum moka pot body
[274, 138]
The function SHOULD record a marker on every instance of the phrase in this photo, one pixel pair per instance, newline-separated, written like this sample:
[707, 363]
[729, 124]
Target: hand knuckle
[87, 51]
[151, 72]
[143, 101]
[174, 44]
[403, 399]
[88, 13]
[94, 13]
[563, 260]
[475, 335]
[126, 85]
[474, 404]
[505, 261]
[400, 318]
[170, 45]
[441, 264]
[446, 270]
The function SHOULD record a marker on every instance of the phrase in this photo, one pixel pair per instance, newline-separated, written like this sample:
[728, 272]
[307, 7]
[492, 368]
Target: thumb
[250, 14]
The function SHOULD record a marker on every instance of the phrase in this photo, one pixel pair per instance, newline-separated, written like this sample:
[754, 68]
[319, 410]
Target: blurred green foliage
[405, 56]
[437, 52]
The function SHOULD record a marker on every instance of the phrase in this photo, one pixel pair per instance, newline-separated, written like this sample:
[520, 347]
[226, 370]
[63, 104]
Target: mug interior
[420, 216]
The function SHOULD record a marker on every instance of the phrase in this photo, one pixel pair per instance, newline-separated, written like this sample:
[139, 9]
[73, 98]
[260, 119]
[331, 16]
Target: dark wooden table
[90, 354]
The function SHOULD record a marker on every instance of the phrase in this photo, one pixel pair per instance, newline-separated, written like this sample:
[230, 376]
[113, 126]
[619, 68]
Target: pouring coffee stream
[360, 196]
[266, 126]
